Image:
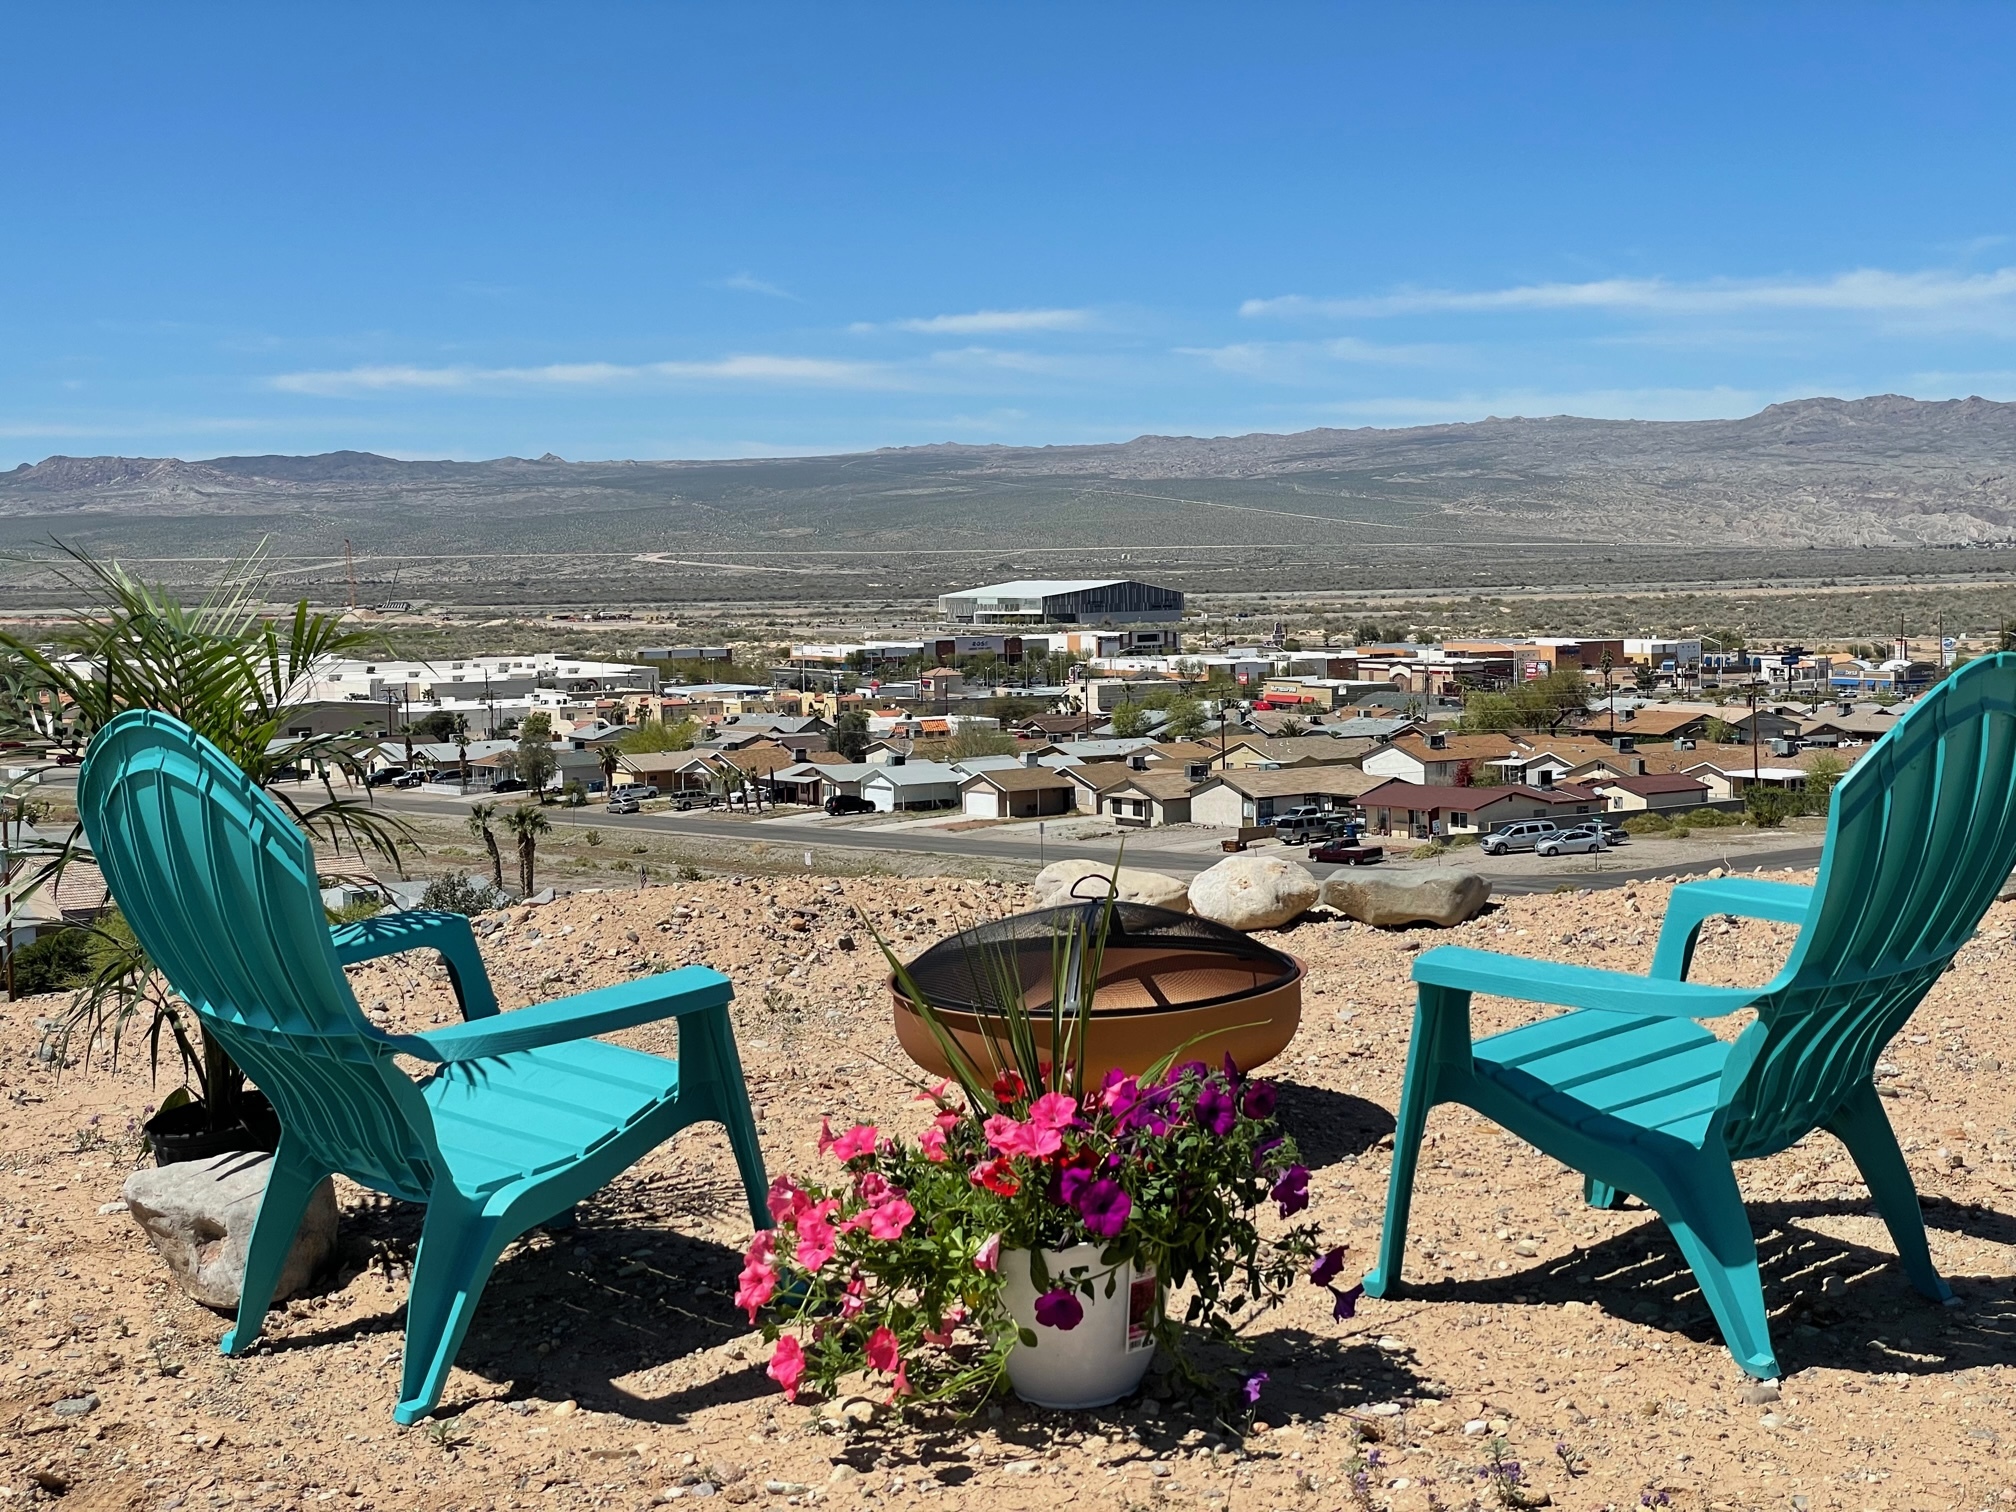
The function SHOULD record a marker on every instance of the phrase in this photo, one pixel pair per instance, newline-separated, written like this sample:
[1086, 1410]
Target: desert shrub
[1767, 808]
[1456, 841]
[1647, 824]
[56, 962]
[357, 908]
[456, 893]
[1428, 852]
[1708, 818]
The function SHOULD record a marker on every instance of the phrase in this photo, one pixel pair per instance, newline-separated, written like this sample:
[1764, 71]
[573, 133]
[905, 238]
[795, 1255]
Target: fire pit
[1167, 979]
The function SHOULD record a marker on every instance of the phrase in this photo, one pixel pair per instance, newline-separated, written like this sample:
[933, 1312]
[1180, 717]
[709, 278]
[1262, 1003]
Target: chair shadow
[1330, 1125]
[1833, 1302]
[612, 1298]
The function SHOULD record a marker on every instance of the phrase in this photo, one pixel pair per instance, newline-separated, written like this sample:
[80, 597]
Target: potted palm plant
[1038, 1228]
[238, 676]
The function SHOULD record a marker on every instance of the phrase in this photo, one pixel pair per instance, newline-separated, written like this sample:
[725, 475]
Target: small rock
[1475, 1428]
[1758, 1393]
[198, 1215]
[106, 1209]
[1385, 1409]
[567, 1409]
[1392, 1345]
[1526, 1247]
[77, 1406]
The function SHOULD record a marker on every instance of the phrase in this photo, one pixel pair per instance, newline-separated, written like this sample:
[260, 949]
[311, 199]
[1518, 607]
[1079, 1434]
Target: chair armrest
[423, 929]
[1533, 981]
[1694, 903]
[643, 1000]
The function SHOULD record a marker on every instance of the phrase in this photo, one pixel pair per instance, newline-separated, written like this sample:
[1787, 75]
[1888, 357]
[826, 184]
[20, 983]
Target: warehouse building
[1067, 601]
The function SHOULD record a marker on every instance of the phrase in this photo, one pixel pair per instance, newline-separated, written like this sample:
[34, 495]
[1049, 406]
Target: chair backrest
[219, 885]
[1920, 835]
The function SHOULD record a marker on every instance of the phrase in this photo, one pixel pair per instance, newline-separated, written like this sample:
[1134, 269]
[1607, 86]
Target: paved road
[1618, 869]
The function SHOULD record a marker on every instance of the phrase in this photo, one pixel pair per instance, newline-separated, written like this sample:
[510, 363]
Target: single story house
[1438, 759]
[1653, 790]
[903, 784]
[1258, 795]
[1018, 792]
[1092, 779]
[1150, 798]
[813, 782]
[1296, 750]
[1425, 812]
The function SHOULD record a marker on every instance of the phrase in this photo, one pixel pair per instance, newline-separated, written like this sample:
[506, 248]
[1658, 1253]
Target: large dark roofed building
[1066, 601]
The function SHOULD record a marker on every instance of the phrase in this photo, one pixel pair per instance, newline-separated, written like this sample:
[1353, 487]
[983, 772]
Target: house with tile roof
[1428, 811]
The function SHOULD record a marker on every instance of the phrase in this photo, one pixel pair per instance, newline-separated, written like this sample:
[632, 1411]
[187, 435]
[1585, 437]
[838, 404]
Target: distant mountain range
[1884, 471]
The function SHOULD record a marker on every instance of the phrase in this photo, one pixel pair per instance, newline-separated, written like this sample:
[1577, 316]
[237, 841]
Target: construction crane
[350, 565]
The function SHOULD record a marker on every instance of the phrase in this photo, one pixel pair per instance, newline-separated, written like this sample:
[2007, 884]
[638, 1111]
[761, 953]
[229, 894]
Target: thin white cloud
[749, 283]
[985, 322]
[801, 372]
[1932, 294]
[1295, 361]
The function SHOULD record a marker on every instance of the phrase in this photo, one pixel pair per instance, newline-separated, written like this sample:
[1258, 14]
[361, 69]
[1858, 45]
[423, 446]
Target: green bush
[1707, 818]
[350, 913]
[1767, 807]
[56, 962]
[456, 893]
[1647, 824]
[1456, 841]
[1428, 852]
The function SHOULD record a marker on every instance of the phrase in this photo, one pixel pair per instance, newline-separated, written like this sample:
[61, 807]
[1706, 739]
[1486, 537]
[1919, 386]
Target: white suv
[1524, 836]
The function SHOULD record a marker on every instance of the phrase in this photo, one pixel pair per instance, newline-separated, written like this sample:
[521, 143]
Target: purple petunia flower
[1231, 1069]
[1252, 1386]
[1324, 1271]
[1105, 1207]
[1265, 1148]
[1292, 1190]
[1059, 1309]
[1215, 1111]
[1259, 1100]
[1347, 1301]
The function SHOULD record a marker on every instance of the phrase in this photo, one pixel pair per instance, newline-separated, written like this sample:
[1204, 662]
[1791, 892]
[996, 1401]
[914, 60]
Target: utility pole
[1608, 699]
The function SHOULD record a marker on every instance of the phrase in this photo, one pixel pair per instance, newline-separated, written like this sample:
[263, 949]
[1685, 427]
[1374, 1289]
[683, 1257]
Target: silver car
[1527, 834]
[1582, 840]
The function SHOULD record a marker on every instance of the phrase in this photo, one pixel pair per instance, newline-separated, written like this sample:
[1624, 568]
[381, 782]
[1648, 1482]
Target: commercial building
[1062, 601]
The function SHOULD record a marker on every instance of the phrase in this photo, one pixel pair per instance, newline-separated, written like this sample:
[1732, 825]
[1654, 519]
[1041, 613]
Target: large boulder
[1253, 892]
[1064, 882]
[198, 1215]
[1444, 898]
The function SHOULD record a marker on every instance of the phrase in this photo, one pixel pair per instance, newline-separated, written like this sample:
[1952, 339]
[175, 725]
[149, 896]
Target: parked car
[509, 785]
[384, 777]
[1582, 840]
[1338, 853]
[847, 803]
[409, 779]
[1305, 823]
[1614, 833]
[1524, 835]
[623, 803]
[639, 790]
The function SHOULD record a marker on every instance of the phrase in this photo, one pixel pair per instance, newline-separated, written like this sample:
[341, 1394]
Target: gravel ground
[608, 1368]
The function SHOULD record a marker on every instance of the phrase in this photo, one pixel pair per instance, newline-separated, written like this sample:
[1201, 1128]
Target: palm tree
[527, 822]
[239, 679]
[609, 757]
[480, 815]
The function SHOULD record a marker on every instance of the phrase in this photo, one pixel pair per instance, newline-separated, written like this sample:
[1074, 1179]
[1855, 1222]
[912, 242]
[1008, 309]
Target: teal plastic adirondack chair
[525, 1114]
[1641, 1099]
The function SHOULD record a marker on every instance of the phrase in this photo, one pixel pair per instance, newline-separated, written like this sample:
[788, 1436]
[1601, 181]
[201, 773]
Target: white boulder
[1441, 898]
[198, 1215]
[1086, 881]
[1253, 892]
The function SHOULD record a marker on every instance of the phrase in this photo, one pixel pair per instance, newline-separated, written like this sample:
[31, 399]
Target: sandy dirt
[608, 1368]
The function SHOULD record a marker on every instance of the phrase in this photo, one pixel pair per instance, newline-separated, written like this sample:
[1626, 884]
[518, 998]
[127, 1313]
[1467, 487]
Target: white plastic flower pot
[1100, 1360]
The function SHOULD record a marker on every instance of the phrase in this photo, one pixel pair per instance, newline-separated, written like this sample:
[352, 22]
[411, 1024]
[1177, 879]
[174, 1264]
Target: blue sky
[659, 230]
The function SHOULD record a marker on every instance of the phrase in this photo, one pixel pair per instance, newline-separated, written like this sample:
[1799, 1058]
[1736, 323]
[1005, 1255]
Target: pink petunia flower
[854, 1300]
[934, 1094]
[787, 1201]
[815, 1234]
[932, 1143]
[1012, 1138]
[859, 1140]
[988, 1256]
[902, 1383]
[787, 1366]
[1055, 1111]
[758, 1281]
[888, 1219]
[883, 1351]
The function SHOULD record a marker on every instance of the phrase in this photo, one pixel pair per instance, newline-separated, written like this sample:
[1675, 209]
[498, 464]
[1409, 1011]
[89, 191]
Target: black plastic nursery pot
[182, 1132]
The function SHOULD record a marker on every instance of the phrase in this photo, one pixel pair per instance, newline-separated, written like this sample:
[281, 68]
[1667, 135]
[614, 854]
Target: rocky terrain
[607, 1367]
[1825, 479]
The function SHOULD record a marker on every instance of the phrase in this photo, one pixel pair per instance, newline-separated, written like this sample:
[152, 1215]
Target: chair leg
[291, 1180]
[1707, 1218]
[707, 1052]
[1865, 1129]
[459, 1244]
[1600, 1194]
[1441, 1020]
